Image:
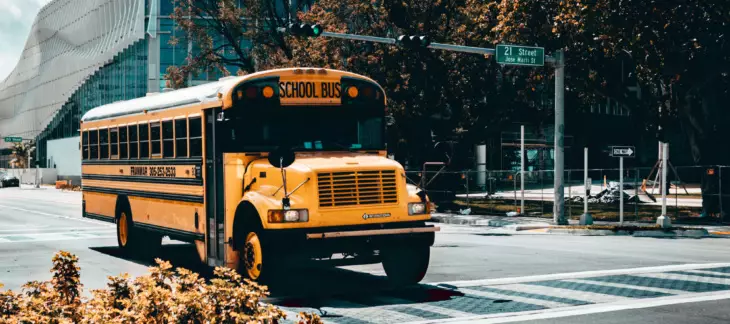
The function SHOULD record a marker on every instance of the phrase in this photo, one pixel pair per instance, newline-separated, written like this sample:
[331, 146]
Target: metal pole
[722, 211]
[559, 186]
[621, 190]
[664, 220]
[585, 181]
[522, 168]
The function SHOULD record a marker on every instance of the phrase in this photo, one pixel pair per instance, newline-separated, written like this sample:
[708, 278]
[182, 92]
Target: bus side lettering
[165, 172]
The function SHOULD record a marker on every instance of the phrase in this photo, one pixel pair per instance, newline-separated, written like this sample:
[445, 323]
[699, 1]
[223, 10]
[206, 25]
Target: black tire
[266, 263]
[139, 243]
[406, 265]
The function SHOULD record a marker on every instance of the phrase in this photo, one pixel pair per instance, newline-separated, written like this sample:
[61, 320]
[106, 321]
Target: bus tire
[256, 258]
[127, 237]
[406, 265]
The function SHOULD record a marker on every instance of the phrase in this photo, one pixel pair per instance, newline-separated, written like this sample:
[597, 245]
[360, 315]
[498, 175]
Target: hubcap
[123, 229]
[252, 255]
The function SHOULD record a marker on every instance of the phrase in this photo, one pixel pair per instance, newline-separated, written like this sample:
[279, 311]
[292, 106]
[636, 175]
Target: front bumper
[11, 182]
[349, 239]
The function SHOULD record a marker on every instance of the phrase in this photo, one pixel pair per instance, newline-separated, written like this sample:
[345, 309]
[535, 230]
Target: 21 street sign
[520, 55]
[623, 151]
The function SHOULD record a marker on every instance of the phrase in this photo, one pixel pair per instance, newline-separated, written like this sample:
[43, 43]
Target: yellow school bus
[258, 169]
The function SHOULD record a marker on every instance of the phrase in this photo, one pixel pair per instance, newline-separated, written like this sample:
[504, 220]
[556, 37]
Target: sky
[16, 18]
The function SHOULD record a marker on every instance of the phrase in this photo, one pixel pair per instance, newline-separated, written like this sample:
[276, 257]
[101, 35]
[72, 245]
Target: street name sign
[520, 55]
[623, 151]
[13, 139]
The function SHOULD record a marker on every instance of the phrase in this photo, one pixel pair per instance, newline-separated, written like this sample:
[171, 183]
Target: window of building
[94, 144]
[85, 145]
[181, 137]
[114, 142]
[155, 139]
[133, 144]
[196, 137]
[144, 141]
[123, 145]
[168, 139]
[104, 143]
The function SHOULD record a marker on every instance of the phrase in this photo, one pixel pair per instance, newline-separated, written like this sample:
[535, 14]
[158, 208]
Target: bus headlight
[288, 216]
[418, 208]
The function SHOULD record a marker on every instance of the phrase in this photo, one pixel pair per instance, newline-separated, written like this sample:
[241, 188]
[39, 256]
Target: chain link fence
[696, 194]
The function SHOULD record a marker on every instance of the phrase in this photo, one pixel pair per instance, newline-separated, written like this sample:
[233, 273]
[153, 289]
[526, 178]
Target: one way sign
[623, 151]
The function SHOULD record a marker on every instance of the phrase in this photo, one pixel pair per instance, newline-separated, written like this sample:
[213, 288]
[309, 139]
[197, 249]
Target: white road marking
[588, 309]
[562, 293]
[714, 273]
[684, 277]
[345, 308]
[426, 307]
[618, 285]
[36, 229]
[579, 275]
[58, 216]
[527, 300]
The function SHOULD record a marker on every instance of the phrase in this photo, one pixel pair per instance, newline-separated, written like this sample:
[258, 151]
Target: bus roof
[188, 96]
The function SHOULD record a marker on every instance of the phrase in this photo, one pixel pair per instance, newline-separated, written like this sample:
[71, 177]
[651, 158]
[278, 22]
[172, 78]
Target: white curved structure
[69, 41]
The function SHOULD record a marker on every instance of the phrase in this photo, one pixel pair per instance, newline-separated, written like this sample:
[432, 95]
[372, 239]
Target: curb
[479, 221]
[694, 233]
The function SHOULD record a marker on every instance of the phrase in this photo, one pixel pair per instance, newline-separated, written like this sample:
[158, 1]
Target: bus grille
[357, 188]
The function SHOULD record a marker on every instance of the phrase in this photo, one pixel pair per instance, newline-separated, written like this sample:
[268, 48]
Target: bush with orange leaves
[162, 296]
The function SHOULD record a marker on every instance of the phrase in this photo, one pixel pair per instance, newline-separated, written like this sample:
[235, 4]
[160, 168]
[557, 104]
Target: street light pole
[559, 184]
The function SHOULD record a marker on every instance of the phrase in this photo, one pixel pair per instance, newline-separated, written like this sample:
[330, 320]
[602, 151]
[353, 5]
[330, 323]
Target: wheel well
[122, 202]
[245, 217]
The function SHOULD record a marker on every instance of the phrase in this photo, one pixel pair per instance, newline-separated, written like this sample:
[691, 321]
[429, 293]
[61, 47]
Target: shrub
[163, 295]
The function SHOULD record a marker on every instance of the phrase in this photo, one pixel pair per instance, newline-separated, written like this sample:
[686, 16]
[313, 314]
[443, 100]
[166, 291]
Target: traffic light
[413, 41]
[305, 30]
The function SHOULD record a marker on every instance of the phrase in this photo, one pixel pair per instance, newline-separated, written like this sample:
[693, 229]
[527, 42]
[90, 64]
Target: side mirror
[281, 157]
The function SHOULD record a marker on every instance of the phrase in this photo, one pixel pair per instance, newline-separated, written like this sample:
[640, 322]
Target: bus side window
[144, 141]
[94, 145]
[123, 142]
[196, 137]
[104, 143]
[114, 142]
[85, 145]
[181, 137]
[168, 140]
[155, 138]
[133, 145]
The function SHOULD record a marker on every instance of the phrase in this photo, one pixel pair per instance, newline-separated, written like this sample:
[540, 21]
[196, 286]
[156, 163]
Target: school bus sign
[520, 55]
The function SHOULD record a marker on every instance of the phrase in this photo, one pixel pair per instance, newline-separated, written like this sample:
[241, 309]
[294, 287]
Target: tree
[20, 154]
[220, 31]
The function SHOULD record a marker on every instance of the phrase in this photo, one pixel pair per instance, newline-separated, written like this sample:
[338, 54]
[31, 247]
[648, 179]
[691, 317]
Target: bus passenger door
[215, 210]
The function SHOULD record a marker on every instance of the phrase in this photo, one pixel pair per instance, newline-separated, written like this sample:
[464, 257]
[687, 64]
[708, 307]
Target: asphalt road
[468, 278]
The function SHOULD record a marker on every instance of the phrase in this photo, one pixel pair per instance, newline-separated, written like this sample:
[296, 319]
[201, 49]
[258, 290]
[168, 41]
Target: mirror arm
[297, 187]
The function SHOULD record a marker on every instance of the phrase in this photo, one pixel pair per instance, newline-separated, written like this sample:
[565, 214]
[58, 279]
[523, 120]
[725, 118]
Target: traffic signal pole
[558, 62]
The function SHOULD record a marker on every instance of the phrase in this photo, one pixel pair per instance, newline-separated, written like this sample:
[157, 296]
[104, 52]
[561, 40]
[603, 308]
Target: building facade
[82, 54]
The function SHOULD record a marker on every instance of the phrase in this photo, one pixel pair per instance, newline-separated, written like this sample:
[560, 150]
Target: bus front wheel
[406, 265]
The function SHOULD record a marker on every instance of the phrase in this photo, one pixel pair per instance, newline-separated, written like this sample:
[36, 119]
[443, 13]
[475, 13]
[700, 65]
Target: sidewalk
[533, 225]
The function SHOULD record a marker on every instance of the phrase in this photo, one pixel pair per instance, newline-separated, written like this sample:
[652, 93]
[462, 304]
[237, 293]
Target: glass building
[82, 54]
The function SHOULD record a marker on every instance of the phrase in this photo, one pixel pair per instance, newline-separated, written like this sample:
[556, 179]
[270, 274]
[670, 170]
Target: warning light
[239, 94]
[352, 92]
[710, 171]
[268, 92]
[251, 92]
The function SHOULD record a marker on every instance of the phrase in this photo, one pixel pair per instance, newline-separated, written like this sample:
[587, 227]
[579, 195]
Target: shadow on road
[310, 287]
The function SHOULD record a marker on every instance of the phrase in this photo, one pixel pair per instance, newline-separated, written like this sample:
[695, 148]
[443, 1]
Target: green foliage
[162, 296]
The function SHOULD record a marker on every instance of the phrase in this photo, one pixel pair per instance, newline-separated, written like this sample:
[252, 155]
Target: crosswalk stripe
[713, 273]
[533, 301]
[682, 277]
[426, 307]
[384, 315]
[563, 293]
[618, 285]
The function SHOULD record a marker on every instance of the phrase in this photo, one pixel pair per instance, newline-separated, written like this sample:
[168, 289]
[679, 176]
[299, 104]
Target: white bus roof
[182, 97]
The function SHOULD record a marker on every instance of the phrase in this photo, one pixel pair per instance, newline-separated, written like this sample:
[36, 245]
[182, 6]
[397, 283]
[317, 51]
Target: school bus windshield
[307, 128]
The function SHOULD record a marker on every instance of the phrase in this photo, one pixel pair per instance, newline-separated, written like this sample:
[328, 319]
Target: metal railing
[695, 194]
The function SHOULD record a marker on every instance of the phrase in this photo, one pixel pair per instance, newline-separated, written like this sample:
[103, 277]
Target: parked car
[8, 180]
